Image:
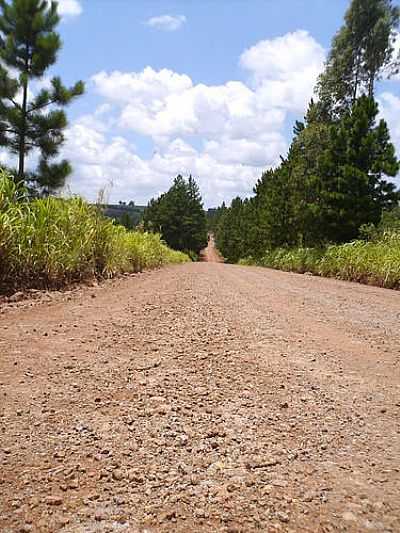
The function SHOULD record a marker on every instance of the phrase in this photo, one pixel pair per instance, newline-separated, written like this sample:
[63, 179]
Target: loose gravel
[204, 397]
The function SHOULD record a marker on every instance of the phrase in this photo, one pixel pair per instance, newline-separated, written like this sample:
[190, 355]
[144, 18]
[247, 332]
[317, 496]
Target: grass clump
[50, 242]
[375, 262]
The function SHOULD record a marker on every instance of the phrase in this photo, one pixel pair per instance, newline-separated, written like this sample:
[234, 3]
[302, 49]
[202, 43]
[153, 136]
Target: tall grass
[375, 263]
[51, 242]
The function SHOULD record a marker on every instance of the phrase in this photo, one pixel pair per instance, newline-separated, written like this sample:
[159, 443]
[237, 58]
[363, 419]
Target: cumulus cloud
[69, 8]
[163, 104]
[284, 70]
[390, 110]
[225, 135]
[166, 22]
[112, 162]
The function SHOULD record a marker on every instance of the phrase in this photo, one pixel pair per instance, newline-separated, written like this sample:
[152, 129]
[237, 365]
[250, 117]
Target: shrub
[375, 262]
[51, 242]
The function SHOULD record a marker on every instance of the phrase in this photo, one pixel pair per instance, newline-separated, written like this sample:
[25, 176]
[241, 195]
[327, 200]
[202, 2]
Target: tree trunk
[371, 85]
[22, 147]
[357, 80]
[21, 165]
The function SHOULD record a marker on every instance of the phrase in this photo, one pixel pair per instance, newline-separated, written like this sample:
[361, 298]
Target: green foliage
[389, 223]
[128, 215]
[126, 221]
[333, 187]
[51, 242]
[332, 183]
[213, 216]
[28, 47]
[361, 52]
[234, 230]
[178, 215]
[375, 263]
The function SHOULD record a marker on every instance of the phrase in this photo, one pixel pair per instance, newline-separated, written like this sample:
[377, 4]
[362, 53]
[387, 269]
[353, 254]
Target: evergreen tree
[357, 163]
[362, 51]
[178, 215]
[332, 182]
[28, 47]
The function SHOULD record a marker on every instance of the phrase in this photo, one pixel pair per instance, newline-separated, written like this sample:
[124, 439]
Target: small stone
[54, 500]
[284, 405]
[200, 513]
[162, 409]
[17, 297]
[308, 496]
[349, 516]
[283, 517]
[118, 475]
[135, 476]
[73, 484]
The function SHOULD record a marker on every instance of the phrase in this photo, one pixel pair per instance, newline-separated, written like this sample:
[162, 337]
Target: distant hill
[121, 212]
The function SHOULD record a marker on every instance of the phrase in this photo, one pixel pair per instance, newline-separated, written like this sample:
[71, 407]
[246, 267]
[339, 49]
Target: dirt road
[204, 397]
[211, 254]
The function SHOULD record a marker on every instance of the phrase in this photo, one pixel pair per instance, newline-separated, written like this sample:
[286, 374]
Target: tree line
[335, 178]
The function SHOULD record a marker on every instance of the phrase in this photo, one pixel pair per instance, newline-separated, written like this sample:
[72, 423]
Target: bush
[376, 262]
[51, 242]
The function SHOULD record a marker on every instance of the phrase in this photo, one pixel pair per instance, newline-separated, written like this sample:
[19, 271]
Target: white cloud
[389, 105]
[166, 22]
[284, 70]
[225, 135]
[148, 86]
[113, 163]
[69, 8]
[261, 153]
[163, 104]
[390, 110]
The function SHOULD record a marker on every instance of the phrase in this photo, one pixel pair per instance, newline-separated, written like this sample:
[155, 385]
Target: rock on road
[203, 397]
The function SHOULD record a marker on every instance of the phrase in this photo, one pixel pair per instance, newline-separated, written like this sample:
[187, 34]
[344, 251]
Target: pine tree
[197, 220]
[362, 51]
[178, 215]
[358, 162]
[28, 47]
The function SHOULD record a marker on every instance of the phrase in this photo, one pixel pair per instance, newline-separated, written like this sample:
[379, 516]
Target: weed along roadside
[51, 242]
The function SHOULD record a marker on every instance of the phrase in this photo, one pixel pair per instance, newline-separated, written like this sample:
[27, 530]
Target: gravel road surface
[203, 397]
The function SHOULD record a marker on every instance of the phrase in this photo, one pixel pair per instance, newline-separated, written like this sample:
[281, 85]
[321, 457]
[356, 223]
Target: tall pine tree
[179, 217]
[362, 52]
[28, 47]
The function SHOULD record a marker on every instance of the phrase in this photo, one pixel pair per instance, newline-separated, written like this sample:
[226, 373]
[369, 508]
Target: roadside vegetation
[321, 209]
[50, 242]
[179, 217]
[375, 262]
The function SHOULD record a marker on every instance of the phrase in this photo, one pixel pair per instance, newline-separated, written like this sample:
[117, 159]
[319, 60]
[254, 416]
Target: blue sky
[210, 87]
